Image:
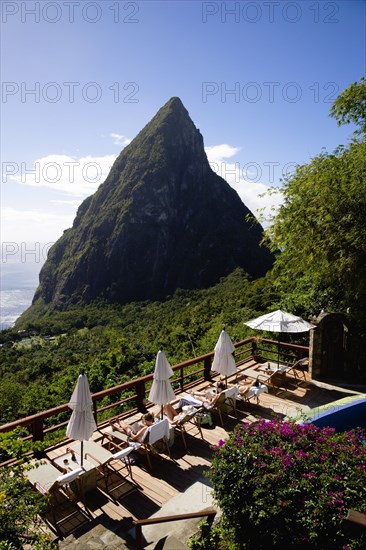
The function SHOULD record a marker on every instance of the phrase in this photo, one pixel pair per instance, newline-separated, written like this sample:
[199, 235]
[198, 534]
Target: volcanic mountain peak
[162, 220]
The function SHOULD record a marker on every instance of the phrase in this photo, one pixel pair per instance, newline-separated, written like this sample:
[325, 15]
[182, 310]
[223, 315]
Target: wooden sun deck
[170, 476]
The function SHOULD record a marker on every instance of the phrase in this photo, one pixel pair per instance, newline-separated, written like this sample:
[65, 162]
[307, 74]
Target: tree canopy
[321, 231]
[320, 228]
[350, 106]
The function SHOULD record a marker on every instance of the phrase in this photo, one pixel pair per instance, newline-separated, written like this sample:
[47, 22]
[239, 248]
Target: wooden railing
[183, 378]
[210, 514]
[357, 517]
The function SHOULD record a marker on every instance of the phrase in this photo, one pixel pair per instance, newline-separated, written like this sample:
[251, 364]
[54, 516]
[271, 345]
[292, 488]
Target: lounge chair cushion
[123, 453]
[69, 477]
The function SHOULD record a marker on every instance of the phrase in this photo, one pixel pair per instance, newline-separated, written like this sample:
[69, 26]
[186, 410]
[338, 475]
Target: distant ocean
[18, 282]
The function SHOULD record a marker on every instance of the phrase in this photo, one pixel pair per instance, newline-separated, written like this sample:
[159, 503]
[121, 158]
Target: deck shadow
[139, 505]
[261, 411]
[105, 528]
[95, 499]
[172, 473]
[66, 519]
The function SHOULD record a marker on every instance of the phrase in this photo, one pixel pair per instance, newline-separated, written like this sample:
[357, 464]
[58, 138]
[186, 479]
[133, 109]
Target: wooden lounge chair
[218, 407]
[189, 418]
[276, 377]
[112, 433]
[154, 435]
[273, 378]
[105, 463]
[230, 399]
[253, 393]
[298, 368]
[63, 513]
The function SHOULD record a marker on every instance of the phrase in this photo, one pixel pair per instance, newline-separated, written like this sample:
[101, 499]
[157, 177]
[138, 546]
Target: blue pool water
[343, 415]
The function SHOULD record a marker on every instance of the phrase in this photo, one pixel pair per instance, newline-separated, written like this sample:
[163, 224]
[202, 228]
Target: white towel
[158, 431]
[189, 400]
[231, 392]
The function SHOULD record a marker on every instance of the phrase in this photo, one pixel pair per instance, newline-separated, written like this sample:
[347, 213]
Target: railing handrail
[139, 523]
[98, 395]
[37, 418]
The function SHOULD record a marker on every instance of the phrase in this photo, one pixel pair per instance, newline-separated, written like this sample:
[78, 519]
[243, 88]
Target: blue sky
[258, 79]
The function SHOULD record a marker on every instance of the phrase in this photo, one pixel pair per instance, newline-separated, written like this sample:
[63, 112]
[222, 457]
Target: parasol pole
[162, 406]
[223, 328]
[82, 442]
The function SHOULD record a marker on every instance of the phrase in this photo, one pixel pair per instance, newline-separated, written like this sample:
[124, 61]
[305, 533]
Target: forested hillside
[116, 343]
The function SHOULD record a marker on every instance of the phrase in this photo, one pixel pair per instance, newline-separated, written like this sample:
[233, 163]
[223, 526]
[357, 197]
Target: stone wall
[329, 346]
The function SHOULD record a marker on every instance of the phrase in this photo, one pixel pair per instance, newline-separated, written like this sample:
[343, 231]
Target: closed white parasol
[223, 361]
[161, 391]
[82, 424]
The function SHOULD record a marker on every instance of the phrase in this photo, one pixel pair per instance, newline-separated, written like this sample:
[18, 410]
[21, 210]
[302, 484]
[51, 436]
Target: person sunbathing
[206, 398]
[244, 388]
[175, 416]
[137, 430]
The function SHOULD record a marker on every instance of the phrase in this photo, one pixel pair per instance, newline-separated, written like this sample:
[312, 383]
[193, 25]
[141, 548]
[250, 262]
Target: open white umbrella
[82, 424]
[280, 321]
[161, 391]
[223, 361]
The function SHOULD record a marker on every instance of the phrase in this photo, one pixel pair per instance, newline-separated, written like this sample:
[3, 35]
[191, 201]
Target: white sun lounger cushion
[69, 477]
[123, 453]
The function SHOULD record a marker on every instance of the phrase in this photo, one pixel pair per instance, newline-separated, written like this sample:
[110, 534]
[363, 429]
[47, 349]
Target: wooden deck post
[207, 368]
[36, 429]
[254, 347]
[95, 409]
[140, 396]
[181, 379]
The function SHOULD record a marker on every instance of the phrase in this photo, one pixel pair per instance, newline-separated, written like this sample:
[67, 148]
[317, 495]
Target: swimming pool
[343, 414]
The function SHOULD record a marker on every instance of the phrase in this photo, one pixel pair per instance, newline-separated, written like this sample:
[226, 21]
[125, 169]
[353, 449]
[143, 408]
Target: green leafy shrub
[208, 538]
[285, 484]
[21, 508]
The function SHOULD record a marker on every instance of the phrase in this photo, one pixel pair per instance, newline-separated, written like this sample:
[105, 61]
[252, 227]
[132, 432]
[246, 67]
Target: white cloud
[221, 151]
[19, 226]
[252, 192]
[73, 203]
[73, 176]
[120, 140]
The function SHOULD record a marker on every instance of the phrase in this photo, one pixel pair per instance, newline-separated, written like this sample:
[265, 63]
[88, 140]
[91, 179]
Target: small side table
[88, 478]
